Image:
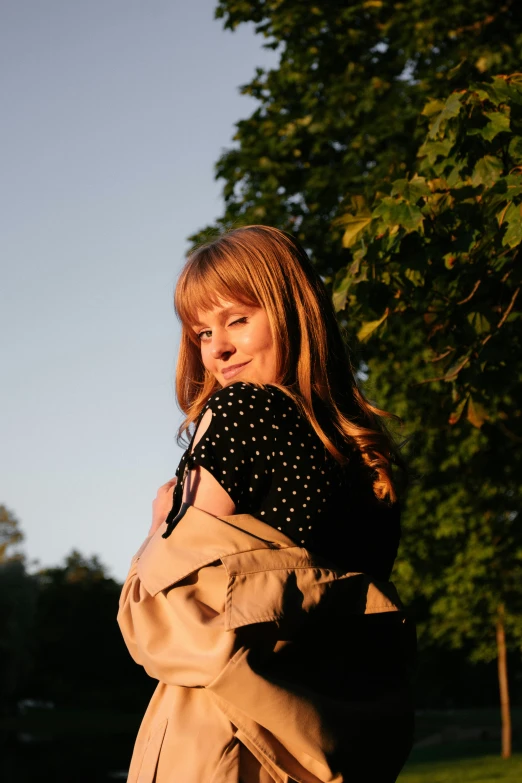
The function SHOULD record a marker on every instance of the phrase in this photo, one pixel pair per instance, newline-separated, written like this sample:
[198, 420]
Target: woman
[261, 599]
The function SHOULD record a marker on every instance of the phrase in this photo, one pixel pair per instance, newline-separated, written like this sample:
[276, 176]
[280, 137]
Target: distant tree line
[59, 640]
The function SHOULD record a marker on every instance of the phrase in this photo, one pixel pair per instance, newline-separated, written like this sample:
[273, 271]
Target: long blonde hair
[264, 266]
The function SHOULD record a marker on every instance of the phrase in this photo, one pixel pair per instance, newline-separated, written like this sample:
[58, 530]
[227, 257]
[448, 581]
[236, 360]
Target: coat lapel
[199, 539]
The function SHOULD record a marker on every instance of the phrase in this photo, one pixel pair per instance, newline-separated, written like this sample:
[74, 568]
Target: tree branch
[442, 355]
[463, 301]
[459, 367]
[445, 377]
[509, 308]
[511, 435]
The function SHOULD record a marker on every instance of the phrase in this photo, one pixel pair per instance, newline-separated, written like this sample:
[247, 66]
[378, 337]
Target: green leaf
[451, 109]
[433, 150]
[455, 176]
[513, 217]
[395, 213]
[340, 296]
[500, 90]
[479, 322]
[411, 190]
[359, 205]
[432, 107]
[457, 413]
[452, 372]
[515, 150]
[498, 122]
[355, 225]
[409, 217]
[495, 91]
[345, 278]
[370, 326]
[341, 286]
[487, 171]
[414, 276]
[439, 202]
[510, 186]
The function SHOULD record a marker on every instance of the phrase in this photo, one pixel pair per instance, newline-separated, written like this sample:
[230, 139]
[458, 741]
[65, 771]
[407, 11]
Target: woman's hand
[162, 504]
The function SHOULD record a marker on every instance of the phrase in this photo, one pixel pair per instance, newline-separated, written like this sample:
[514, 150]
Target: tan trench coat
[272, 664]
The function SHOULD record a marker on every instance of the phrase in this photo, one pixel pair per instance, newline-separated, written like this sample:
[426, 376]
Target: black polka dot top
[273, 465]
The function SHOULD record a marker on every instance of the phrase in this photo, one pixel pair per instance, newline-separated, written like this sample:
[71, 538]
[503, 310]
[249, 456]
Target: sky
[114, 113]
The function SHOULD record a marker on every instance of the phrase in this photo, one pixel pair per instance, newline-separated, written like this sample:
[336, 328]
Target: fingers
[168, 485]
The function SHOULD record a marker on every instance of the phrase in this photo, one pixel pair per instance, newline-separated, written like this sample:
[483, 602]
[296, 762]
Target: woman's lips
[229, 372]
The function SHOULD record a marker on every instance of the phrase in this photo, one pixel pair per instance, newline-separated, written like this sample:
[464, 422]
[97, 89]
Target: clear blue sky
[113, 115]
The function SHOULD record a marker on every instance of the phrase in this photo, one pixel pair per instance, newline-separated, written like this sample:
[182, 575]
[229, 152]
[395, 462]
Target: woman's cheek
[258, 341]
[206, 357]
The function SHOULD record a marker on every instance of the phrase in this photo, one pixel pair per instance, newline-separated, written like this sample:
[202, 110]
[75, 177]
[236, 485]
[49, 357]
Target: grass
[466, 761]
[484, 769]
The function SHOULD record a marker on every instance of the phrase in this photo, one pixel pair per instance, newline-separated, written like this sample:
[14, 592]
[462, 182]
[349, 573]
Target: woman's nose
[220, 346]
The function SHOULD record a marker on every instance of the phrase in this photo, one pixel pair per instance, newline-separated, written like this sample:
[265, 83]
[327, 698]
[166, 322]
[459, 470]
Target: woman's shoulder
[238, 443]
[260, 414]
[245, 398]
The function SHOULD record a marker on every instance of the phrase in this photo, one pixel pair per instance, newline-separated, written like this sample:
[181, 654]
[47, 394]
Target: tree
[439, 255]
[339, 121]
[10, 535]
[76, 569]
[18, 593]
[17, 608]
[444, 246]
[340, 114]
[80, 657]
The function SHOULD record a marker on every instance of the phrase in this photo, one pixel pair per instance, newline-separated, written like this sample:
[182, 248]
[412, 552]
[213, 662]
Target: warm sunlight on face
[236, 334]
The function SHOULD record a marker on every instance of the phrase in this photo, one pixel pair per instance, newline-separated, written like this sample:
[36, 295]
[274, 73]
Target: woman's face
[236, 334]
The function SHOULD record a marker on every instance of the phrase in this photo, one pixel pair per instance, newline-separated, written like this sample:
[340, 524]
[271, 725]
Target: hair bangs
[209, 278]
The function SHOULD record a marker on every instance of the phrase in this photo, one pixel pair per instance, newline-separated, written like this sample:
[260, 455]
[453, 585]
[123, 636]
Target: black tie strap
[187, 462]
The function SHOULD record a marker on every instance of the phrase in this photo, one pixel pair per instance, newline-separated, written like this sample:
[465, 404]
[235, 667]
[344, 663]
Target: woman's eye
[244, 319]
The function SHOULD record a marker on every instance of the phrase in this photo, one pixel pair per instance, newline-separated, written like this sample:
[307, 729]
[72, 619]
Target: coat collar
[246, 546]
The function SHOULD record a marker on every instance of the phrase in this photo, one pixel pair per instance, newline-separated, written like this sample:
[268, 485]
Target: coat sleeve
[176, 633]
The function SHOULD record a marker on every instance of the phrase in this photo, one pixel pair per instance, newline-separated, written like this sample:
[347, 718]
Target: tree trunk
[503, 684]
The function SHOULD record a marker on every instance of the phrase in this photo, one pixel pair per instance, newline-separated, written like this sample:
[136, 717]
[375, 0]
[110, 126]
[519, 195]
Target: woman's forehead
[220, 311]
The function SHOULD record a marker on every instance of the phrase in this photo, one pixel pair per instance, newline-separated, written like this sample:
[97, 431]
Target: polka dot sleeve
[238, 446]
